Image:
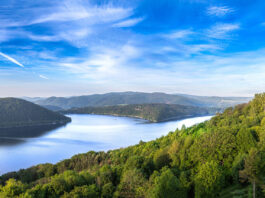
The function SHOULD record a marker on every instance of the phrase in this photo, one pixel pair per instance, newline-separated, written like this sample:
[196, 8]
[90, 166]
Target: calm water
[84, 133]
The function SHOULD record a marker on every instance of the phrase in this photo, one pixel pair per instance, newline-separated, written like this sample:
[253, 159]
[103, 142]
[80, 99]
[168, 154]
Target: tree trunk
[254, 189]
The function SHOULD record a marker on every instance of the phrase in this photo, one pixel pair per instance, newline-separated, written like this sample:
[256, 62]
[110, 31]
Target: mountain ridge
[118, 98]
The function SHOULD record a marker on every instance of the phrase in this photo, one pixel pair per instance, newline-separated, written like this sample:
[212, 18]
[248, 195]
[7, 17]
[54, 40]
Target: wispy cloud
[11, 59]
[219, 10]
[222, 31]
[128, 22]
[44, 77]
[74, 11]
[211, 71]
[70, 21]
[198, 48]
[179, 34]
[66, 11]
[103, 63]
[43, 37]
[72, 36]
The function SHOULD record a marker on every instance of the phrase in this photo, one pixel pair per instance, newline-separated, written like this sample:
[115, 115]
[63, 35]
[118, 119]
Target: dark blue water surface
[84, 133]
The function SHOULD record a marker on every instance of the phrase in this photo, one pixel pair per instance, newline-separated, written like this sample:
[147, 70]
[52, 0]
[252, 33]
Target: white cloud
[71, 21]
[66, 11]
[77, 10]
[197, 48]
[222, 31]
[43, 37]
[187, 50]
[103, 63]
[11, 59]
[44, 77]
[180, 34]
[128, 22]
[219, 10]
[114, 69]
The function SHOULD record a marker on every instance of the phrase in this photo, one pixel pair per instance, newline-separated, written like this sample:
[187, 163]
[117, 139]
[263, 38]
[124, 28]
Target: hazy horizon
[68, 96]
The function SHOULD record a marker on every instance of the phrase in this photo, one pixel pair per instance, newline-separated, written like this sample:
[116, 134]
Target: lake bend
[83, 134]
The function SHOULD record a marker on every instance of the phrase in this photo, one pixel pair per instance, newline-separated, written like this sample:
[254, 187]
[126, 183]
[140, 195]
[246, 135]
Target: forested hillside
[151, 112]
[223, 157]
[17, 113]
[52, 108]
[119, 98]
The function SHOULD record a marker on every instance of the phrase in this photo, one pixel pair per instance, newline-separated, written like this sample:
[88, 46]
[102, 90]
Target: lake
[84, 133]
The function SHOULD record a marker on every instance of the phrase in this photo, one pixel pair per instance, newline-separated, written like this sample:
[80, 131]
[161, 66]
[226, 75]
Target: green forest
[222, 157]
[16, 112]
[151, 112]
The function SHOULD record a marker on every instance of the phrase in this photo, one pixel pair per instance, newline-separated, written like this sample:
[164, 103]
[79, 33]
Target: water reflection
[5, 141]
[18, 135]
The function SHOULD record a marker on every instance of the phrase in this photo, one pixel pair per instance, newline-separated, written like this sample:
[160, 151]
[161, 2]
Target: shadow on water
[19, 135]
[10, 141]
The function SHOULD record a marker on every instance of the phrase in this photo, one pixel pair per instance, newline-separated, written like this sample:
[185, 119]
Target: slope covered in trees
[151, 112]
[111, 99]
[223, 157]
[20, 113]
[52, 108]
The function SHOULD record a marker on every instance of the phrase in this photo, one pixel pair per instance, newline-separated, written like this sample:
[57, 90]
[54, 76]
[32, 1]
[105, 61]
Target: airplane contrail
[19, 64]
[11, 59]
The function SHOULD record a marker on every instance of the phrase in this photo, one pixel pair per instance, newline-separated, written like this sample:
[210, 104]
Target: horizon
[180, 94]
[71, 48]
[102, 93]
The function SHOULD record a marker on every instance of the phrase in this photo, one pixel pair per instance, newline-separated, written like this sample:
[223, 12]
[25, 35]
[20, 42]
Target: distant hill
[20, 113]
[32, 99]
[111, 99]
[52, 108]
[151, 112]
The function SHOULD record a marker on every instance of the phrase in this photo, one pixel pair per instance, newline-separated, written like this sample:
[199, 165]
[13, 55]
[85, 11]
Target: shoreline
[175, 118]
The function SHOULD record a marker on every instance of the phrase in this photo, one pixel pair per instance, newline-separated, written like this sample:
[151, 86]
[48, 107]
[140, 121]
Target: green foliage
[105, 175]
[245, 140]
[254, 166]
[132, 184]
[12, 188]
[165, 184]
[216, 146]
[107, 190]
[161, 159]
[209, 180]
[83, 192]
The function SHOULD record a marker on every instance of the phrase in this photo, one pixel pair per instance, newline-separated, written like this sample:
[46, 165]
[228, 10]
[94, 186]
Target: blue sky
[75, 47]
